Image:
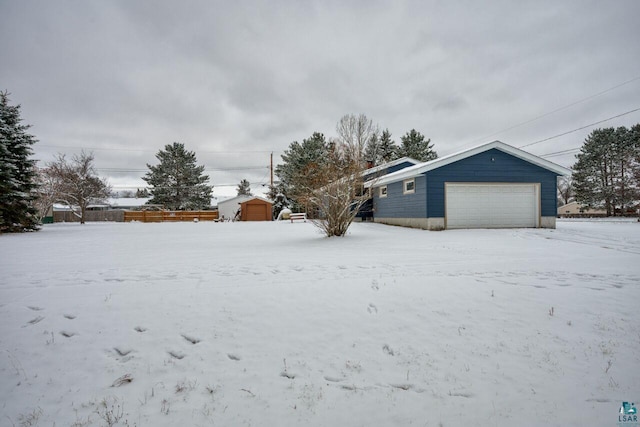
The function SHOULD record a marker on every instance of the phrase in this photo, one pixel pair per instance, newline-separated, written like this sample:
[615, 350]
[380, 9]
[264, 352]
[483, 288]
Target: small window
[409, 186]
[383, 191]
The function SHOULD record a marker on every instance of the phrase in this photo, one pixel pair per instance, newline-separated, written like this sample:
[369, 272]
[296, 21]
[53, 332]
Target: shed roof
[258, 198]
[421, 168]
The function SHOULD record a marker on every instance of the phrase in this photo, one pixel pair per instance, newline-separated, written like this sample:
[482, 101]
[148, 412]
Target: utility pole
[272, 169]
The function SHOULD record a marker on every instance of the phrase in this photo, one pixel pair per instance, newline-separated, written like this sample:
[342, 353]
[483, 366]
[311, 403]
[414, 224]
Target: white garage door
[492, 205]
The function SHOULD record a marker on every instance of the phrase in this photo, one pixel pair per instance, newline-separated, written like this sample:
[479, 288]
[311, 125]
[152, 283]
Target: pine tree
[244, 188]
[388, 151]
[414, 145]
[177, 182]
[142, 193]
[625, 190]
[301, 163]
[280, 201]
[594, 171]
[17, 171]
[634, 140]
[372, 150]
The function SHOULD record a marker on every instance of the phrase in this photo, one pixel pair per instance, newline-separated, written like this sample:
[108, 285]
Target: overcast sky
[235, 81]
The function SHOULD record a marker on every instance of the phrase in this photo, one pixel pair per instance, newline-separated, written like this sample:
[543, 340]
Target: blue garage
[493, 185]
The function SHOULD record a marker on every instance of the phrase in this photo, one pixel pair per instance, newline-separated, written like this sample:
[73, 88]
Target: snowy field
[271, 324]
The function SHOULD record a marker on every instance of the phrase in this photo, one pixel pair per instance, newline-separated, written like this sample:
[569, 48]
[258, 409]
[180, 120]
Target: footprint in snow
[388, 350]
[35, 320]
[372, 309]
[122, 351]
[402, 386]
[286, 374]
[34, 308]
[233, 356]
[461, 394]
[176, 354]
[192, 340]
[70, 316]
[139, 329]
[67, 334]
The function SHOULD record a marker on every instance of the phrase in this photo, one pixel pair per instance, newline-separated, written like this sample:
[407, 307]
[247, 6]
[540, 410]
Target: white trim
[404, 186]
[421, 168]
[390, 165]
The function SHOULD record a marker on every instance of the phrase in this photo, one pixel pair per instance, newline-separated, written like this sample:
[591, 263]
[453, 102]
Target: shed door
[256, 212]
[492, 205]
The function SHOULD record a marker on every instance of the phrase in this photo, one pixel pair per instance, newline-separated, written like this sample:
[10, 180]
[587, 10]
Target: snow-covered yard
[271, 324]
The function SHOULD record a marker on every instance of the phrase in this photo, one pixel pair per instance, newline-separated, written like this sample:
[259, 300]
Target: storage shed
[256, 209]
[228, 208]
[493, 185]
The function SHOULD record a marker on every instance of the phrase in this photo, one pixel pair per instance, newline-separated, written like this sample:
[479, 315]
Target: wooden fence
[170, 216]
[89, 216]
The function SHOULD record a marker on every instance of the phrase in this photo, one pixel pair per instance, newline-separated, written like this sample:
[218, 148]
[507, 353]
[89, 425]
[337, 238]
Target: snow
[272, 324]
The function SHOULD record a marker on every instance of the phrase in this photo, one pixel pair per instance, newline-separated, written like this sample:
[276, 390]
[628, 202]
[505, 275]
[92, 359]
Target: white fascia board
[391, 164]
[413, 171]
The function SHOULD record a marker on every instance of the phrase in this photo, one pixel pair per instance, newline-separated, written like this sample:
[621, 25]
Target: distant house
[574, 209]
[122, 203]
[493, 185]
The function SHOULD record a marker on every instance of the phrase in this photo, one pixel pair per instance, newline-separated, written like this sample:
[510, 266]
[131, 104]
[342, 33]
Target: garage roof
[421, 168]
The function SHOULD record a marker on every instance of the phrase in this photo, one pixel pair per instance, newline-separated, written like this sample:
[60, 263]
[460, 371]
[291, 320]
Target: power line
[560, 153]
[151, 151]
[125, 170]
[214, 185]
[559, 109]
[580, 128]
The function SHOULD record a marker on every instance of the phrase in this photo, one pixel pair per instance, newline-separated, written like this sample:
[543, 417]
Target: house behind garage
[493, 185]
[365, 213]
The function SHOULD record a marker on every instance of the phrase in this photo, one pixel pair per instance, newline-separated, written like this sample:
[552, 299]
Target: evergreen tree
[414, 145]
[301, 165]
[594, 171]
[277, 195]
[17, 171]
[244, 188]
[388, 151]
[142, 193]
[372, 151]
[624, 187]
[177, 182]
[634, 138]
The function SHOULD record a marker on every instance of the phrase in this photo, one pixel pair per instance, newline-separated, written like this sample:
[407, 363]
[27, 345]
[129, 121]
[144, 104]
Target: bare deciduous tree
[565, 190]
[336, 190]
[340, 197]
[47, 190]
[354, 132]
[77, 183]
